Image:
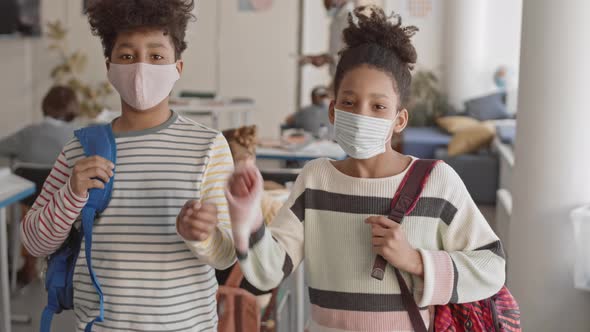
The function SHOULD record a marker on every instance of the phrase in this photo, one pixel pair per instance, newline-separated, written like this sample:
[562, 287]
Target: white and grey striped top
[151, 278]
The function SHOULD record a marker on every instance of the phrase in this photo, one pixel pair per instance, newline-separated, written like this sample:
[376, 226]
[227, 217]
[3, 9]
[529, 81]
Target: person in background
[338, 10]
[37, 146]
[40, 144]
[315, 116]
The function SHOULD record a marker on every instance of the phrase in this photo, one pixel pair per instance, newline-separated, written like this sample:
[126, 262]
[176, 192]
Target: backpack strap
[235, 277]
[58, 279]
[403, 203]
[96, 141]
[268, 323]
[51, 309]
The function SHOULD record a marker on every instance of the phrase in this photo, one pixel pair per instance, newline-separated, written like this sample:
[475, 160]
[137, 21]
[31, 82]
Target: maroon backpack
[499, 313]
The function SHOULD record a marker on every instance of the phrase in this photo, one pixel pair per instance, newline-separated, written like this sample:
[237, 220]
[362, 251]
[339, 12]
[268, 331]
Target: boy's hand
[197, 221]
[390, 242]
[244, 195]
[91, 172]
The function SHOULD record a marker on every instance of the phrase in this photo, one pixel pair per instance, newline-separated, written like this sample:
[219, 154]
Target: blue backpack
[96, 141]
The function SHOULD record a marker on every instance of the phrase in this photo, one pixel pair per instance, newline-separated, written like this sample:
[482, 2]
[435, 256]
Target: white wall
[500, 34]
[315, 38]
[16, 83]
[503, 34]
[256, 61]
[240, 54]
[429, 40]
[230, 52]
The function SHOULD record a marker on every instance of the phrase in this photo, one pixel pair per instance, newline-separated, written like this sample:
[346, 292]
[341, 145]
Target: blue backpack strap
[51, 309]
[58, 280]
[96, 141]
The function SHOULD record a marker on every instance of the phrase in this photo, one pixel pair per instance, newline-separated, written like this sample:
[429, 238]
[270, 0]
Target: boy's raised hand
[91, 172]
[197, 221]
[244, 195]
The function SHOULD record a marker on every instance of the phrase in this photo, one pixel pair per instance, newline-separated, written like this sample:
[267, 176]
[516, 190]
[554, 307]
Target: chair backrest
[280, 176]
[197, 94]
[35, 175]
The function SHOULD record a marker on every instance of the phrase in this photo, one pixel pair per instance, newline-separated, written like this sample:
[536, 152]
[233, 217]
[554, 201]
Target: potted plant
[427, 102]
[92, 97]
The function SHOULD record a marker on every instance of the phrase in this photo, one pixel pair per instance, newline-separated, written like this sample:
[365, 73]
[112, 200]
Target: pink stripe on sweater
[60, 181]
[63, 163]
[443, 278]
[365, 321]
[61, 172]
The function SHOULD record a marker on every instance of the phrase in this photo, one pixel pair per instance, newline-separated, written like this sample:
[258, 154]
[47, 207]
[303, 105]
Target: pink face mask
[143, 85]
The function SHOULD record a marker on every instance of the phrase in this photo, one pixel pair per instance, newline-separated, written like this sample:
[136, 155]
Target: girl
[336, 215]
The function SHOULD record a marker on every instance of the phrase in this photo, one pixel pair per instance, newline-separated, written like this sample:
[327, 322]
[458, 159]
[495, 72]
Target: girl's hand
[244, 195]
[390, 242]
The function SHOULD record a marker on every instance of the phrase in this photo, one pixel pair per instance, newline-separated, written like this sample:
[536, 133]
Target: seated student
[40, 144]
[335, 221]
[314, 116]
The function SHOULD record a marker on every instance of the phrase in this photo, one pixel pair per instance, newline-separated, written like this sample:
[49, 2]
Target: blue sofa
[478, 171]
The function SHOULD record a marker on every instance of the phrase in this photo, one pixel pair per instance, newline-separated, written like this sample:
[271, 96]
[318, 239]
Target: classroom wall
[315, 39]
[256, 60]
[499, 28]
[429, 40]
[15, 85]
[315, 36]
[241, 54]
[230, 52]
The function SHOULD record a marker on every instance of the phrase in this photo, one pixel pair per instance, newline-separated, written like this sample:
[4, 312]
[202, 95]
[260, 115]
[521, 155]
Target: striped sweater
[323, 222]
[152, 279]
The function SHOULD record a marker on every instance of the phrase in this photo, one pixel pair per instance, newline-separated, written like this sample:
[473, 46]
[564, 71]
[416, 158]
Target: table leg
[236, 120]
[246, 117]
[15, 244]
[300, 298]
[215, 120]
[4, 287]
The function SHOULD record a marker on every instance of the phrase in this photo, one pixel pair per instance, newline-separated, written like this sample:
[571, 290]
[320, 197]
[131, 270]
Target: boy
[314, 116]
[40, 144]
[155, 264]
[37, 146]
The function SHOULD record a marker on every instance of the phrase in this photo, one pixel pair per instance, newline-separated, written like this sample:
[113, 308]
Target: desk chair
[28, 272]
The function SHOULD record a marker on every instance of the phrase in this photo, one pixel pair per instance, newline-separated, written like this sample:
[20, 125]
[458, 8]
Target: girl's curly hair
[381, 42]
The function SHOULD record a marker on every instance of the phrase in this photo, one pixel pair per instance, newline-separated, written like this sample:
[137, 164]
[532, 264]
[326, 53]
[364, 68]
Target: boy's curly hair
[379, 41]
[109, 17]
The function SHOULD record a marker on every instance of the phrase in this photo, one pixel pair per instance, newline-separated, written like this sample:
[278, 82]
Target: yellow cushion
[453, 124]
[471, 139]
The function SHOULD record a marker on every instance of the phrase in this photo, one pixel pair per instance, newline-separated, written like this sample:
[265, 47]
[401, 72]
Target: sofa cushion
[453, 124]
[490, 107]
[471, 139]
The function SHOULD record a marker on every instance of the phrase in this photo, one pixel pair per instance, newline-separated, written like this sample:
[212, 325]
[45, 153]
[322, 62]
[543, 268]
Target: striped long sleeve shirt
[152, 279]
[322, 224]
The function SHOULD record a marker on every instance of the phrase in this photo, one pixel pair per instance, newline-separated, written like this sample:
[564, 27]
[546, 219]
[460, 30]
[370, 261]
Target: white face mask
[142, 85]
[361, 137]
